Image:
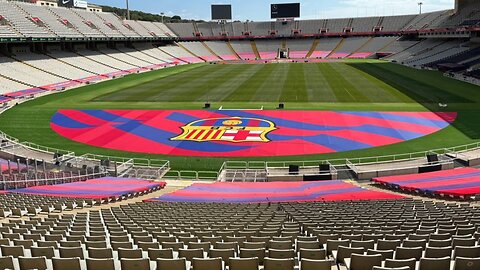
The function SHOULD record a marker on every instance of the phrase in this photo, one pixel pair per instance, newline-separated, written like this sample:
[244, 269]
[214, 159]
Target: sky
[259, 10]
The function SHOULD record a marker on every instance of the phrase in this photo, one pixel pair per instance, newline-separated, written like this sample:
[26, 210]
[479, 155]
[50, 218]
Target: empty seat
[435, 263]
[6, 262]
[386, 254]
[243, 264]
[154, 254]
[225, 254]
[279, 264]
[189, 254]
[250, 253]
[66, 263]
[135, 264]
[432, 252]
[408, 253]
[410, 263]
[363, 262]
[100, 264]
[467, 252]
[172, 264]
[462, 263]
[207, 264]
[124, 253]
[38, 263]
[313, 254]
[307, 264]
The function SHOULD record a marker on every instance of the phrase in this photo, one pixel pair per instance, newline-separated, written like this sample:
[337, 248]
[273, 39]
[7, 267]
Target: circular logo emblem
[232, 122]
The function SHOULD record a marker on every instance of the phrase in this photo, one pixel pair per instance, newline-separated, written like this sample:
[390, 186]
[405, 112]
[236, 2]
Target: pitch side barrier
[363, 168]
[24, 180]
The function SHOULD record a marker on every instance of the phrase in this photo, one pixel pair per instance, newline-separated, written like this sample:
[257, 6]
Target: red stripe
[207, 134]
[253, 123]
[199, 134]
[190, 134]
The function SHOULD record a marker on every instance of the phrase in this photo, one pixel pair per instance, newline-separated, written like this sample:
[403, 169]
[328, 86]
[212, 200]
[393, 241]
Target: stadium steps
[66, 63]
[210, 50]
[233, 51]
[119, 59]
[51, 73]
[255, 49]
[190, 52]
[284, 44]
[20, 9]
[386, 46]
[133, 56]
[101, 63]
[173, 56]
[380, 22]
[17, 81]
[150, 55]
[339, 45]
[393, 54]
[313, 48]
[361, 47]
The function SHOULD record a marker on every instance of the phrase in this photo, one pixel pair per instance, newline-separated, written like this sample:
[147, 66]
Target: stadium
[163, 143]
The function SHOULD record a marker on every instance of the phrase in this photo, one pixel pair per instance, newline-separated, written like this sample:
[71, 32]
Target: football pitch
[357, 85]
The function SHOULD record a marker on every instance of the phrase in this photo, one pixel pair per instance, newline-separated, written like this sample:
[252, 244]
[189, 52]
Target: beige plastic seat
[47, 252]
[410, 263]
[313, 254]
[100, 264]
[281, 253]
[243, 264]
[431, 252]
[308, 264]
[207, 264]
[386, 254]
[6, 262]
[467, 252]
[154, 254]
[386, 268]
[251, 253]
[66, 263]
[172, 264]
[279, 244]
[462, 263]
[71, 252]
[435, 263]
[124, 253]
[189, 254]
[28, 263]
[345, 252]
[135, 264]
[225, 254]
[334, 244]
[363, 262]
[408, 253]
[15, 251]
[279, 264]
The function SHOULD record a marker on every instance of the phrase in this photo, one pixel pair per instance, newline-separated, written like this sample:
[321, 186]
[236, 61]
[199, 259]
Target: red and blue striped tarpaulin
[457, 182]
[244, 133]
[264, 192]
[93, 189]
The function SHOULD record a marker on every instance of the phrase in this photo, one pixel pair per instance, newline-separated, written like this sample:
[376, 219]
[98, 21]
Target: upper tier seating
[198, 49]
[87, 28]
[22, 22]
[53, 22]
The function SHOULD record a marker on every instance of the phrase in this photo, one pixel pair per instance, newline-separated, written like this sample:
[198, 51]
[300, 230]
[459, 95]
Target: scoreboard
[280, 11]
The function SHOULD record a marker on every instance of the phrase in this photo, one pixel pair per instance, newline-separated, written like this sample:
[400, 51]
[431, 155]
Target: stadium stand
[325, 46]
[28, 26]
[267, 49]
[182, 29]
[243, 49]
[347, 46]
[49, 19]
[181, 54]
[299, 48]
[222, 49]
[458, 183]
[199, 49]
[70, 18]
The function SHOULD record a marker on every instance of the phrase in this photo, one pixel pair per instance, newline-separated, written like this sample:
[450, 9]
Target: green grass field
[365, 85]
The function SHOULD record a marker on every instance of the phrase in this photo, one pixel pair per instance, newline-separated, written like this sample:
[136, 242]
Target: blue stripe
[401, 118]
[67, 122]
[436, 178]
[241, 189]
